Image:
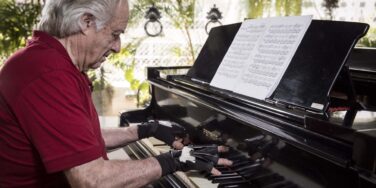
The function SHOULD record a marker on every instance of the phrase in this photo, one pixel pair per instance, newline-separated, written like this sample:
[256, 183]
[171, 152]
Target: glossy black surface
[311, 150]
[312, 71]
[313, 155]
[213, 51]
[317, 63]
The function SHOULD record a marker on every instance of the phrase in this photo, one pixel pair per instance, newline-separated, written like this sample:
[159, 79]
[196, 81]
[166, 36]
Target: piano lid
[313, 70]
[213, 51]
[363, 59]
[317, 63]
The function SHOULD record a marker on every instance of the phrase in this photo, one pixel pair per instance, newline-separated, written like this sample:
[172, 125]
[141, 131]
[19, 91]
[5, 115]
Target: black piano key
[249, 173]
[267, 180]
[241, 185]
[221, 167]
[280, 184]
[254, 174]
[236, 164]
[210, 177]
[234, 182]
[228, 176]
[232, 173]
[228, 179]
[226, 170]
[292, 185]
[247, 167]
[237, 157]
[245, 185]
[241, 163]
[261, 175]
[223, 174]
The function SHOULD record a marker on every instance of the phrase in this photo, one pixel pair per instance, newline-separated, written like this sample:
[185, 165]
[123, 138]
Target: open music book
[260, 54]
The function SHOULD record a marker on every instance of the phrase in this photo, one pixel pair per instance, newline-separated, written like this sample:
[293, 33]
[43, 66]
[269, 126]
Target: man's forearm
[114, 173]
[115, 137]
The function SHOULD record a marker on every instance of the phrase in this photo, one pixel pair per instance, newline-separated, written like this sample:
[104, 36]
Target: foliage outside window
[329, 6]
[17, 21]
[262, 8]
[369, 40]
[119, 60]
[180, 13]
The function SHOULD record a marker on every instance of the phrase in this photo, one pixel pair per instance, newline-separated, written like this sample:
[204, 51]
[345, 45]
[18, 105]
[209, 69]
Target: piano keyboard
[244, 172]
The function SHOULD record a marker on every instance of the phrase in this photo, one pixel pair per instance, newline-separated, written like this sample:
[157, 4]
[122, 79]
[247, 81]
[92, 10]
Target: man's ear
[87, 22]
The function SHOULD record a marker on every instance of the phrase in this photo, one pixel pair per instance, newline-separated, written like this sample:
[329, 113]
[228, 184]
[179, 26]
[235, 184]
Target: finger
[224, 162]
[186, 140]
[179, 139]
[222, 149]
[267, 162]
[215, 172]
[177, 144]
[256, 156]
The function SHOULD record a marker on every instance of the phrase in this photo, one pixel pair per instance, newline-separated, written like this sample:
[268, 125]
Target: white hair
[62, 18]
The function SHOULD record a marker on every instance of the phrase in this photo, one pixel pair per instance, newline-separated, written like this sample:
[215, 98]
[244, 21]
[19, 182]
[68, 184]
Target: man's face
[99, 44]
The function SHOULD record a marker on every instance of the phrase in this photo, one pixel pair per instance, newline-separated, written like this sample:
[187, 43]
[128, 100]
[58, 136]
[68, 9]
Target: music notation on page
[260, 54]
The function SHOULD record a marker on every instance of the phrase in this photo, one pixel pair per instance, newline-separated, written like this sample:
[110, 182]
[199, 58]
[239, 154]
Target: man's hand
[192, 158]
[169, 132]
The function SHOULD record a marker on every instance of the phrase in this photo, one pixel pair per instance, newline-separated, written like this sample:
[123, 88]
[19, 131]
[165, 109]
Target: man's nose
[116, 46]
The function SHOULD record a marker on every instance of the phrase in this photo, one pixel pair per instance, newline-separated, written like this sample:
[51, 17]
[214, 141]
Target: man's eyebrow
[119, 31]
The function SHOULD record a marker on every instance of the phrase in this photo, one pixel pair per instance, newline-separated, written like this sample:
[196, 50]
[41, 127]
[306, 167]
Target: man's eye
[115, 35]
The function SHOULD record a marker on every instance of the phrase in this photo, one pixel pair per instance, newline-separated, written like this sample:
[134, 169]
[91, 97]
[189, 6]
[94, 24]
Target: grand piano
[284, 140]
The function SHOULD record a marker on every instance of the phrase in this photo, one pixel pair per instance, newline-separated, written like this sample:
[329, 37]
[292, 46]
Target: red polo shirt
[48, 122]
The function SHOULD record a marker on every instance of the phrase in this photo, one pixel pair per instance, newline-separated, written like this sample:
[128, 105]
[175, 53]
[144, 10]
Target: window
[307, 4]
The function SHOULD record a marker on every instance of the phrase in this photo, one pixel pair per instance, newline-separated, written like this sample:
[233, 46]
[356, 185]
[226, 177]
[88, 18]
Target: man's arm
[114, 173]
[137, 173]
[116, 137]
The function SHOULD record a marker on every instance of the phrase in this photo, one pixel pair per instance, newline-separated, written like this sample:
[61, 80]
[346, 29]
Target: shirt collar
[40, 36]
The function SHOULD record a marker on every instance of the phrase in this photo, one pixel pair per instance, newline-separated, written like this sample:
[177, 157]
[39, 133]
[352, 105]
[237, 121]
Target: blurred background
[171, 33]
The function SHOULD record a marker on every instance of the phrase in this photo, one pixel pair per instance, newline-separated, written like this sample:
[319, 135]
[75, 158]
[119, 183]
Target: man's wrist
[168, 163]
[146, 130]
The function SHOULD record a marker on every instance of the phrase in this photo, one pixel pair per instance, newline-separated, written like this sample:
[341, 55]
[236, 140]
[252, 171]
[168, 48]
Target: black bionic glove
[201, 158]
[165, 131]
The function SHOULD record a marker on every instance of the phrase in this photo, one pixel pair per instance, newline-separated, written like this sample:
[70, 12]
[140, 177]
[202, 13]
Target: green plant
[369, 40]
[179, 12]
[17, 21]
[99, 81]
[329, 6]
[256, 8]
[102, 91]
[119, 60]
[288, 7]
[140, 87]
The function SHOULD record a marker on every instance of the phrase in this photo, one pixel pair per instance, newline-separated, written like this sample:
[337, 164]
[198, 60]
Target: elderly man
[49, 129]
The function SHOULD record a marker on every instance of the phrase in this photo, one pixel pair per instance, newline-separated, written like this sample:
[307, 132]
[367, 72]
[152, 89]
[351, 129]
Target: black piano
[286, 140]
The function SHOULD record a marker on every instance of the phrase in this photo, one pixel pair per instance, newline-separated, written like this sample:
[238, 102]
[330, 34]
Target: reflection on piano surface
[282, 141]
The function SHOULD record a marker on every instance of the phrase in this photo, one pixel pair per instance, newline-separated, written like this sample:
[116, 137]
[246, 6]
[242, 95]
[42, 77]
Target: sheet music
[260, 54]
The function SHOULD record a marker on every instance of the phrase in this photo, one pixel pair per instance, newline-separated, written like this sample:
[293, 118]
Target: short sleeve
[51, 111]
